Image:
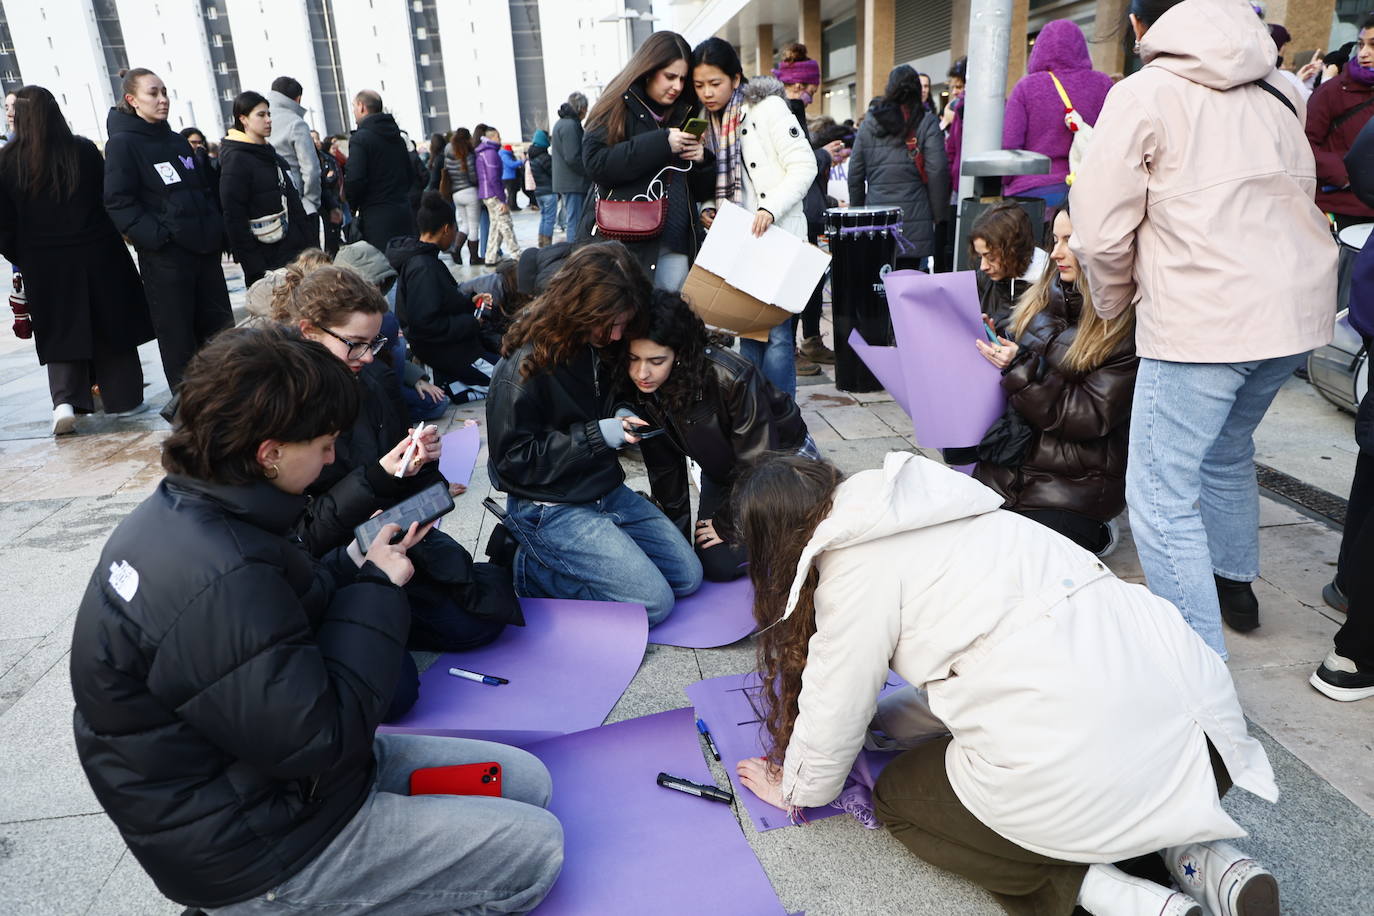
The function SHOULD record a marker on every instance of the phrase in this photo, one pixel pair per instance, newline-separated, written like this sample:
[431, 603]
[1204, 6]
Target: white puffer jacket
[1080, 706]
[779, 165]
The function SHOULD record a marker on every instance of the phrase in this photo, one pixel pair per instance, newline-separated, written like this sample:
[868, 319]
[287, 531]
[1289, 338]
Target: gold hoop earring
[273, 475]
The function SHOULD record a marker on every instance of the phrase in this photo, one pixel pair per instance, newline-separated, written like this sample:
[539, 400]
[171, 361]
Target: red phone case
[464, 779]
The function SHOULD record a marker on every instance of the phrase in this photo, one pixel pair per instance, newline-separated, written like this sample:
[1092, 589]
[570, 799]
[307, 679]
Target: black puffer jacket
[155, 192]
[1076, 461]
[881, 172]
[541, 166]
[624, 170]
[199, 610]
[543, 434]
[379, 179]
[736, 418]
[253, 180]
[437, 319]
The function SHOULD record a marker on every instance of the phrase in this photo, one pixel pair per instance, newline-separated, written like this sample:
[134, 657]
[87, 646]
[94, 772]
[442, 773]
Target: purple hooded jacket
[1035, 113]
[489, 171]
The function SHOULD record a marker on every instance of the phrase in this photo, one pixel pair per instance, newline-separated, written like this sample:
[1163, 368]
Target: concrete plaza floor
[59, 500]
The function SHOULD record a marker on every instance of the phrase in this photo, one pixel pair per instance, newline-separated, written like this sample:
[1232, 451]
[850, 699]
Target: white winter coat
[779, 165]
[1079, 705]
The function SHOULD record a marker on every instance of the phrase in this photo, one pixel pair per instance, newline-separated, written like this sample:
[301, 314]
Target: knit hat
[1279, 34]
[366, 260]
[541, 138]
[799, 71]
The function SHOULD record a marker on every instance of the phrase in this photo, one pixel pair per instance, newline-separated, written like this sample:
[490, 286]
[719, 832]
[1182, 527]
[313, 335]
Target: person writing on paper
[1069, 375]
[455, 604]
[553, 437]
[228, 685]
[633, 134]
[1120, 749]
[715, 408]
[765, 164]
[1009, 262]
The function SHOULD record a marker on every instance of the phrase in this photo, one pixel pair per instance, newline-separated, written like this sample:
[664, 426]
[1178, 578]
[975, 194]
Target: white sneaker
[63, 420]
[1113, 537]
[1109, 891]
[1226, 880]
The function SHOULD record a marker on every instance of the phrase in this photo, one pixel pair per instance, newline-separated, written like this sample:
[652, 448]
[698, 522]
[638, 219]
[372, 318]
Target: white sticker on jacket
[168, 172]
[124, 579]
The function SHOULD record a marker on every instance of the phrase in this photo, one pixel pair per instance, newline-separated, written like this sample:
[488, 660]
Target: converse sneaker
[1109, 891]
[1224, 879]
[1113, 537]
[1342, 679]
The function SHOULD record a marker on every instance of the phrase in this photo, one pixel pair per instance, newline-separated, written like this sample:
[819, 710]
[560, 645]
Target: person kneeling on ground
[716, 408]
[553, 441]
[1069, 376]
[1069, 720]
[228, 685]
[436, 318]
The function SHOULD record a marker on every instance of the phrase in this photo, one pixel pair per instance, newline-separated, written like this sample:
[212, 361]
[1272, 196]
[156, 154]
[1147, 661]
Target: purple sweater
[489, 171]
[1035, 113]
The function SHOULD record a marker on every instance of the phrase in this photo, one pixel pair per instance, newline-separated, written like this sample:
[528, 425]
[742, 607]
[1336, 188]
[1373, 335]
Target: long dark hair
[670, 322]
[776, 505]
[660, 50]
[244, 104]
[461, 144]
[904, 91]
[44, 157]
[436, 148]
[1149, 11]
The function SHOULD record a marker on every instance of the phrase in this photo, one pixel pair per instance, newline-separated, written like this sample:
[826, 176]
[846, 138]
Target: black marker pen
[692, 788]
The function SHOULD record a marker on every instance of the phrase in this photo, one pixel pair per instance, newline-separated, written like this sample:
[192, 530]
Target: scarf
[1362, 75]
[725, 144]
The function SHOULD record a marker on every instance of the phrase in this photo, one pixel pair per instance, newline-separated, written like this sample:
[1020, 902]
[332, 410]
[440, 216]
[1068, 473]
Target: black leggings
[724, 562]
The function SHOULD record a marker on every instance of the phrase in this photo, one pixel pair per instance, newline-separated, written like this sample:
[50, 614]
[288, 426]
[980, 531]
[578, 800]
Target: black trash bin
[862, 247]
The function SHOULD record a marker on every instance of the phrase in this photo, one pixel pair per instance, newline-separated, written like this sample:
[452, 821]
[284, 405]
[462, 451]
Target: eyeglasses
[356, 348]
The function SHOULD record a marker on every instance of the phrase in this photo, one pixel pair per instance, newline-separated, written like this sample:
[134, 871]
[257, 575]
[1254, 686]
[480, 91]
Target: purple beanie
[799, 71]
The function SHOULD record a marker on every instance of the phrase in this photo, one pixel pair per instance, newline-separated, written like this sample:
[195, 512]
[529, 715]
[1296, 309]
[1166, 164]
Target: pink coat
[1195, 201]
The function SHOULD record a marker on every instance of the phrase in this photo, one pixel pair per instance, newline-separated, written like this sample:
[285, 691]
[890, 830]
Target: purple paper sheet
[719, 614]
[461, 446]
[726, 705]
[633, 847]
[567, 668]
[951, 393]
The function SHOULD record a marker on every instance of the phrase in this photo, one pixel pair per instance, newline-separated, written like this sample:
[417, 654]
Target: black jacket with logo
[156, 191]
[253, 180]
[227, 688]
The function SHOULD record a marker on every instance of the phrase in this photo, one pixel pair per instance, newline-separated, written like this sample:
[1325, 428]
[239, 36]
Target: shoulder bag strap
[1059, 87]
[1346, 115]
[1272, 90]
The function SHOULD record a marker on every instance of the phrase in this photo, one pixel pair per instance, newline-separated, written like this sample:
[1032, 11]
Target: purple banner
[461, 446]
[720, 613]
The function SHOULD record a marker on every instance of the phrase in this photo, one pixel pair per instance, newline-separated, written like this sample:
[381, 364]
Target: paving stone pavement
[60, 499]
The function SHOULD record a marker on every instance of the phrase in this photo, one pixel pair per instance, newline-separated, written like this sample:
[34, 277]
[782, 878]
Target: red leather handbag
[639, 219]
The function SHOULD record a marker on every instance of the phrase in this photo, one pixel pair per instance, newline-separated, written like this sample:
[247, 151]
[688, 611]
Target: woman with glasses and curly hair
[1057, 718]
[714, 407]
[553, 438]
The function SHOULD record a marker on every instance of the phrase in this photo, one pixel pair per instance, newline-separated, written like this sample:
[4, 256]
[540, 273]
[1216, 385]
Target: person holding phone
[709, 404]
[228, 685]
[633, 133]
[763, 164]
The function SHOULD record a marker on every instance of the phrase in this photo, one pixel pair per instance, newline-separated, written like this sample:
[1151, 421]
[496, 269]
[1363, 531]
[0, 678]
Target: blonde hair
[1096, 338]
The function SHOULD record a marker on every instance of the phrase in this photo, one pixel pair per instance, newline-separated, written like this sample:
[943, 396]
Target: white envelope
[779, 268]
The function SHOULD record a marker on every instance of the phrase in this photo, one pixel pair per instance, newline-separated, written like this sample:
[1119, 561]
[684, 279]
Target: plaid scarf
[724, 142]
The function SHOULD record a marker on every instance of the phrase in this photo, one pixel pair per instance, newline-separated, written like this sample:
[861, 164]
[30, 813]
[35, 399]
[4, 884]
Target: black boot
[1239, 606]
[459, 240]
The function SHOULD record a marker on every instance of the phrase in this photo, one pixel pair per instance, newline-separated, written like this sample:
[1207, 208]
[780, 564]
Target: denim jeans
[548, 212]
[403, 854]
[619, 548]
[1190, 483]
[776, 359]
[572, 212]
[671, 271]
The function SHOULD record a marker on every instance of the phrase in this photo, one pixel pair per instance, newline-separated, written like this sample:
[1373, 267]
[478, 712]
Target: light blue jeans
[548, 212]
[776, 359]
[1190, 483]
[572, 212]
[619, 548]
[671, 271]
[403, 854]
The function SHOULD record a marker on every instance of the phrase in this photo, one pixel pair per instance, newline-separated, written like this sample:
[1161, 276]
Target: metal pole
[989, 47]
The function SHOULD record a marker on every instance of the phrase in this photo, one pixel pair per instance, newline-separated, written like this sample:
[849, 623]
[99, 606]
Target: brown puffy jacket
[1077, 458]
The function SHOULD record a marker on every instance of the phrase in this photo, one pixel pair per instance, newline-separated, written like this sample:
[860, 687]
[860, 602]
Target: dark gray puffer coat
[881, 173]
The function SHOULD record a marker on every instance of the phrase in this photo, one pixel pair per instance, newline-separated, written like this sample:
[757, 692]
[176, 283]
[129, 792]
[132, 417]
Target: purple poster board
[567, 667]
[935, 372]
[727, 706]
[633, 847]
[461, 446]
[720, 613]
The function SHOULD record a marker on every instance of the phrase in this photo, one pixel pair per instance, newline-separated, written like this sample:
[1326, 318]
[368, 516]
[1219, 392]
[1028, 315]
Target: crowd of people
[1141, 330]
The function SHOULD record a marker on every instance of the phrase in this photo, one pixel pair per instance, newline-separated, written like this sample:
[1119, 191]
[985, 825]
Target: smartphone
[424, 507]
[647, 432]
[696, 127]
[464, 779]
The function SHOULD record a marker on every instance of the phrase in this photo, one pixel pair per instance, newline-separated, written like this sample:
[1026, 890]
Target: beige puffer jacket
[1195, 200]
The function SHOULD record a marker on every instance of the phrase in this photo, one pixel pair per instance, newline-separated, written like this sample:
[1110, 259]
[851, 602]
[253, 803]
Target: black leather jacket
[737, 417]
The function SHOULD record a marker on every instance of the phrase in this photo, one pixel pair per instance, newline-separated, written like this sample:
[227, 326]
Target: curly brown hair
[670, 322]
[776, 505]
[1006, 230]
[323, 294]
[596, 287]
